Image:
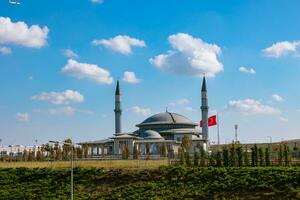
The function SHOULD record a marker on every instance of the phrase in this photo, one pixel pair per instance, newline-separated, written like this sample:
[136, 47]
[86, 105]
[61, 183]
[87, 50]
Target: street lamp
[72, 166]
[236, 128]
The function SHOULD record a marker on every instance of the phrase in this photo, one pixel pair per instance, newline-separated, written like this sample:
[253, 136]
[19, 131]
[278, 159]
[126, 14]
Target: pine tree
[187, 158]
[225, 157]
[280, 155]
[246, 157]
[286, 154]
[267, 157]
[181, 156]
[135, 152]
[232, 155]
[218, 159]
[202, 156]
[261, 156]
[196, 158]
[239, 153]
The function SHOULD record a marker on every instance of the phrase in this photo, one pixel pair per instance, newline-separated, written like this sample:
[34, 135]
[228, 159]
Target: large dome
[150, 134]
[167, 118]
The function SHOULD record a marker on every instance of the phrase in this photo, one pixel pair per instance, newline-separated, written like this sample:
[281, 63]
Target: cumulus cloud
[190, 56]
[277, 97]
[251, 107]
[5, 50]
[121, 43]
[179, 102]
[281, 49]
[130, 77]
[64, 97]
[247, 71]
[87, 71]
[140, 111]
[23, 117]
[20, 33]
[70, 54]
[97, 1]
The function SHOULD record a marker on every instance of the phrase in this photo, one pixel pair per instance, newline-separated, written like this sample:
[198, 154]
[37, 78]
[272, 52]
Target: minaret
[204, 110]
[118, 110]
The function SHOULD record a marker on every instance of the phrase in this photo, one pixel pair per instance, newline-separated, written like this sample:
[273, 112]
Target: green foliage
[135, 152]
[246, 157]
[173, 182]
[186, 143]
[196, 158]
[218, 159]
[280, 155]
[225, 157]
[187, 158]
[239, 153]
[286, 153]
[254, 156]
[267, 157]
[261, 157]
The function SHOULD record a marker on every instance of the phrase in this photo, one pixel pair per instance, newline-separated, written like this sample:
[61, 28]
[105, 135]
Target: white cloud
[251, 107]
[277, 97]
[65, 97]
[121, 43]
[87, 71]
[281, 49]
[191, 56]
[283, 119]
[62, 111]
[97, 1]
[5, 50]
[247, 71]
[70, 54]
[179, 102]
[20, 33]
[23, 117]
[140, 111]
[130, 77]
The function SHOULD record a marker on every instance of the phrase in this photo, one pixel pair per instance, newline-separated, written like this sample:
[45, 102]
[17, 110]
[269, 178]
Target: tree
[163, 150]
[181, 156]
[232, 155]
[187, 158]
[186, 143]
[246, 157]
[218, 159]
[254, 156]
[135, 152]
[286, 154]
[280, 155]
[261, 156]
[25, 155]
[196, 158]
[225, 157]
[267, 157]
[239, 153]
[202, 156]
[125, 152]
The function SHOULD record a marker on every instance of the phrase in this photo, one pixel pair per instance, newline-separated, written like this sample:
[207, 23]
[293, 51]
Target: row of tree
[235, 155]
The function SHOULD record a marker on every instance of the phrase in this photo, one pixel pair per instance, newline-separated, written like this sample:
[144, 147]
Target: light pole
[236, 128]
[72, 166]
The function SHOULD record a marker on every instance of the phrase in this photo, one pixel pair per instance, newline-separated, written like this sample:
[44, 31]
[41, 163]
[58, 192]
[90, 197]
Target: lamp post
[236, 128]
[72, 165]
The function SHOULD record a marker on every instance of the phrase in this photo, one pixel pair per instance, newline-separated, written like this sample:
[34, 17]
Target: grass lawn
[107, 164]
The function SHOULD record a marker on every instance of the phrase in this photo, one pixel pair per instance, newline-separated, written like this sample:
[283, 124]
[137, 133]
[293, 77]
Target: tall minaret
[204, 110]
[118, 110]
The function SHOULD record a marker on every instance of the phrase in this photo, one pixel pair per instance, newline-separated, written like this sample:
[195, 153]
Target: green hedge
[174, 182]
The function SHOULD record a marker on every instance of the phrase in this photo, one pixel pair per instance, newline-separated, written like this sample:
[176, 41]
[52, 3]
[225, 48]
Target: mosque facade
[164, 130]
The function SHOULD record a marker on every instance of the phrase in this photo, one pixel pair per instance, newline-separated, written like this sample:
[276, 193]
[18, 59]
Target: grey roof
[124, 136]
[118, 88]
[204, 89]
[150, 134]
[166, 118]
[182, 131]
[97, 141]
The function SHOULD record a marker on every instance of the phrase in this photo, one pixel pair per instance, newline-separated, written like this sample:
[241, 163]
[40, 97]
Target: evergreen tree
[187, 158]
[261, 156]
[267, 157]
[239, 153]
[202, 156]
[25, 155]
[280, 155]
[196, 158]
[163, 150]
[286, 154]
[135, 152]
[218, 159]
[181, 156]
[246, 157]
[225, 157]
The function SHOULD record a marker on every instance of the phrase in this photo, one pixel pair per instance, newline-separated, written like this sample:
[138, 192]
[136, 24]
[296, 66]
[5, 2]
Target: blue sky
[57, 78]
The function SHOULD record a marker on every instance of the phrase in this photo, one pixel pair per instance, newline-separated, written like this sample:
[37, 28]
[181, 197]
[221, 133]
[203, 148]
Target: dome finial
[166, 108]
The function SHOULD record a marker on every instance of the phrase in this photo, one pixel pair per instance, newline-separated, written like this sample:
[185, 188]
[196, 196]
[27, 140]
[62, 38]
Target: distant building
[164, 129]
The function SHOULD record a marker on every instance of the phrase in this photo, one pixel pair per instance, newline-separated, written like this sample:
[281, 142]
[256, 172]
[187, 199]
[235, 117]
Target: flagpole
[218, 130]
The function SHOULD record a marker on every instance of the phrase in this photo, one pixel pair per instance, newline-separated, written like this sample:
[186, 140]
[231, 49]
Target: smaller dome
[150, 134]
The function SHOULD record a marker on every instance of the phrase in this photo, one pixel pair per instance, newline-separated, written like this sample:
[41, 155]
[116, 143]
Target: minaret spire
[118, 110]
[204, 109]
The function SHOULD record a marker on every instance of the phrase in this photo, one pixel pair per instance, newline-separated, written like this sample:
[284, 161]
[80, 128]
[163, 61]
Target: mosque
[164, 129]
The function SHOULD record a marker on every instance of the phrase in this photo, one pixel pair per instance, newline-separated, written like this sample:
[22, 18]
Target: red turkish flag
[212, 121]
